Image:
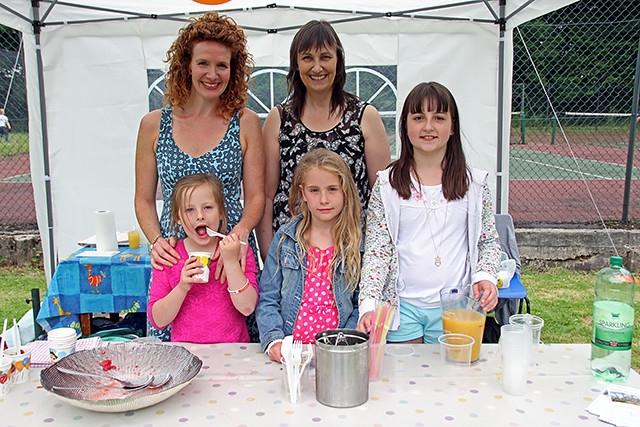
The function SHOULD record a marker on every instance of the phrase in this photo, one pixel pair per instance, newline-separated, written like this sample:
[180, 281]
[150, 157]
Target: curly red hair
[211, 26]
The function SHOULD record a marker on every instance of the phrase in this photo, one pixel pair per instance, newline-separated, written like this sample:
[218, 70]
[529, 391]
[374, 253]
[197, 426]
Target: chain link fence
[571, 129]
[573, 115]
[17, 208]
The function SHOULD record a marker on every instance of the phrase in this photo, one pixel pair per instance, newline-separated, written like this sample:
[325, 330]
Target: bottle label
[613, 325]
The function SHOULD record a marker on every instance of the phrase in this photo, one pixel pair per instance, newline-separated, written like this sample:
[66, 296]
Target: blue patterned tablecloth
[82, 284]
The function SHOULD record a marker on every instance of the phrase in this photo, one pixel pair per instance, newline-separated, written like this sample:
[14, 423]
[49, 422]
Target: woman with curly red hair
[204, 128]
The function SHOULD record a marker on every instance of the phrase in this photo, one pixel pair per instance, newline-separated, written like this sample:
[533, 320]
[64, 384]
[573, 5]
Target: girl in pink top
[203, 311]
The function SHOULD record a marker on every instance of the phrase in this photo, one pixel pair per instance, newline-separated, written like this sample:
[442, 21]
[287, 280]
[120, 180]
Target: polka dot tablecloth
[239, 386]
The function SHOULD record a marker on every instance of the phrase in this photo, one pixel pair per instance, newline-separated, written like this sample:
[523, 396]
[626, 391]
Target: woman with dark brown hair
[319, 112]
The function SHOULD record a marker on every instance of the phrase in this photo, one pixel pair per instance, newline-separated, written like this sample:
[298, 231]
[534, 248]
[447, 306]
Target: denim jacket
[281, 289]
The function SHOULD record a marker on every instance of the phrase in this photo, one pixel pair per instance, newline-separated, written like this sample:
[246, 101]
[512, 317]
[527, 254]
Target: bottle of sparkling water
[612, 322]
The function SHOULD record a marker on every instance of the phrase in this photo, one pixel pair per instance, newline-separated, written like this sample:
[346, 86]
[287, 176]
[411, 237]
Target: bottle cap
[615, 261]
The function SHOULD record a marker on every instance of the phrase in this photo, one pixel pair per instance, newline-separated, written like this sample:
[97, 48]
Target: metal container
[342, 368]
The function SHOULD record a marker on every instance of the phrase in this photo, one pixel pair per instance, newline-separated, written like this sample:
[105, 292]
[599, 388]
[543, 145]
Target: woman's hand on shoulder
[376, 143]
[163, 253]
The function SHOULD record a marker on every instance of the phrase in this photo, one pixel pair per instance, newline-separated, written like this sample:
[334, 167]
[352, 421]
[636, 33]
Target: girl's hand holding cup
[194, 271]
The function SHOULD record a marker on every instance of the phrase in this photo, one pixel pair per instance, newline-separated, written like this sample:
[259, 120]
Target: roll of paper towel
[106, 239]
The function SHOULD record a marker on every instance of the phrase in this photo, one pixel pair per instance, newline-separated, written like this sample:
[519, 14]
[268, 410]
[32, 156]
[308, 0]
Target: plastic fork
[296, 361]
[307, 359]
[213, 233]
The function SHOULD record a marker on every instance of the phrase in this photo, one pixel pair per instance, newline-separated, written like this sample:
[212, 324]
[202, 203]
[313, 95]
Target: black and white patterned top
[296, 140]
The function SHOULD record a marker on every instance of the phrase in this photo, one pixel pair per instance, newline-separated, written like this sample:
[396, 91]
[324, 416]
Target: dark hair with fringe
[209, 27]
[316, 35]
[455, 179]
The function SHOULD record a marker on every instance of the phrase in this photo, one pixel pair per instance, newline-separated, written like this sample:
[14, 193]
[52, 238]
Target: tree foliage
[585, 54]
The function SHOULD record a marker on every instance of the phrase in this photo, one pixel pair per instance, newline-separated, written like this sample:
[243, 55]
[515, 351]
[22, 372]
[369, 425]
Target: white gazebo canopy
[88, 64]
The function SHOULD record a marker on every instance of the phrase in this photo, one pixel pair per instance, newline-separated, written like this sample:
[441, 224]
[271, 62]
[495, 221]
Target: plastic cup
[62, 342]
[21, 364]
[5, 375]
[536, 323]
[288, 380]
[455, 355]
[462, 314]
[515, 351]
[376, 357]
[134, 239]
[205, 260]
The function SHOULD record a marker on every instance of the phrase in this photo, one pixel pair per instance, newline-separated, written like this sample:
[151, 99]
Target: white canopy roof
[87, 66]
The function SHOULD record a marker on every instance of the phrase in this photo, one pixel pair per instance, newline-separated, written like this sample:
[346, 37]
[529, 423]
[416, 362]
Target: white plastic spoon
[210, 232]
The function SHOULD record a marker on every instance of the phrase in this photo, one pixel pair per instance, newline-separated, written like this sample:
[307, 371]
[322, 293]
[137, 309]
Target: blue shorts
[417, 322]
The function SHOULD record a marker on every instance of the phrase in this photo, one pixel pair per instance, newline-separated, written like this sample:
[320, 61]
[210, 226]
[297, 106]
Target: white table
[239, 386]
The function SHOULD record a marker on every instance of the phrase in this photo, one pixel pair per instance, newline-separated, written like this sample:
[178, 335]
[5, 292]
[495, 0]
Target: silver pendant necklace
[437, 260]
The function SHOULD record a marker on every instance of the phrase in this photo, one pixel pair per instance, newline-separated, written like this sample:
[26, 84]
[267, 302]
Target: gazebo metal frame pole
[632, 137]
[37, 27]
[499, 166]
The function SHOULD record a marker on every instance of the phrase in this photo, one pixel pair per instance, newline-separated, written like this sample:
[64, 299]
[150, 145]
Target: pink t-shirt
[318, 311]
[207, 314]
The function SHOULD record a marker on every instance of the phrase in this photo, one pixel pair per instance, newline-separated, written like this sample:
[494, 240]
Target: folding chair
[513, 299]
[515, 294]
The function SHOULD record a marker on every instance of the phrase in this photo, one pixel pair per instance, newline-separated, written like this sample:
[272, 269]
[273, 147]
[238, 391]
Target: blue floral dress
[225, 161]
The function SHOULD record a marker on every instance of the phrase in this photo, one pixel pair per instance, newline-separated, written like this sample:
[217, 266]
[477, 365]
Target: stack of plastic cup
[62, 342]
[535, 323]
[5, 375]
[21, 360]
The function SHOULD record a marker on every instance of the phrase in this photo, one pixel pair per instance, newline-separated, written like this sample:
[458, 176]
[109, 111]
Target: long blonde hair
[347, 231]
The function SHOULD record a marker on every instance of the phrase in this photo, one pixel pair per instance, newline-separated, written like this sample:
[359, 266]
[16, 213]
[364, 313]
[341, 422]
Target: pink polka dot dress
[318, 311]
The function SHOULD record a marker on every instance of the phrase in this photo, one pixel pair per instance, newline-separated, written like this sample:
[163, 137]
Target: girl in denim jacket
[312, 269]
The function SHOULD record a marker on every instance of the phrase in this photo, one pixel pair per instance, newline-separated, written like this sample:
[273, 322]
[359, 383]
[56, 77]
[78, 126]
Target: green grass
[18, 144]
[564, 300]
[15, 289]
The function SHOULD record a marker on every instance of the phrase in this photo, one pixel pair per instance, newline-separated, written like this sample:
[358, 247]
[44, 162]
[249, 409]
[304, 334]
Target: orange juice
[134, 239]
[464, 321]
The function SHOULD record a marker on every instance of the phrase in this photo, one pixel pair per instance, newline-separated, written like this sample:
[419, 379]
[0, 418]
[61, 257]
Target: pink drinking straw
[379, 330]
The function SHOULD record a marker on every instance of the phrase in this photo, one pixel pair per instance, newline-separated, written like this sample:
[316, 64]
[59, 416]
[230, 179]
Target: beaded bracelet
[239, 291]
[155, 239]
